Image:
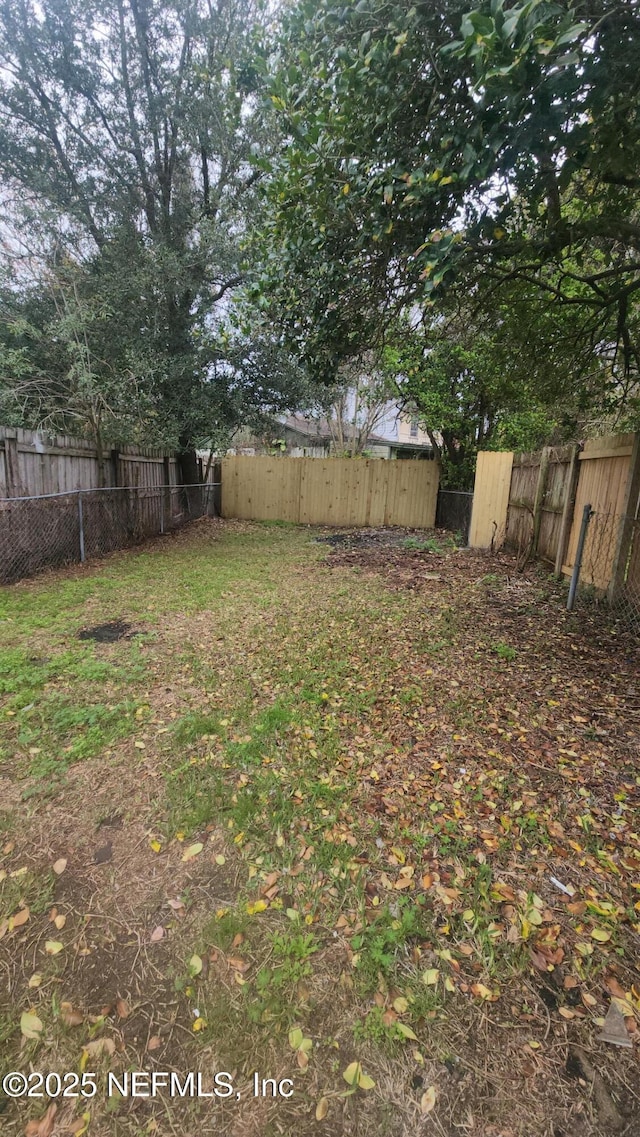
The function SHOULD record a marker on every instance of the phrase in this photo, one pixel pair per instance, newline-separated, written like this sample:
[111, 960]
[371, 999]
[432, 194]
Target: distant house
[399, 436]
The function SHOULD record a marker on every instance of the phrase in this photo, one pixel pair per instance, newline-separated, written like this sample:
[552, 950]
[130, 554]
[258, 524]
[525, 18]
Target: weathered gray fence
[33, 464]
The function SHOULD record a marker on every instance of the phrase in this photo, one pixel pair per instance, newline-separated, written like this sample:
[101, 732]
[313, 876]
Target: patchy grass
[305, 822]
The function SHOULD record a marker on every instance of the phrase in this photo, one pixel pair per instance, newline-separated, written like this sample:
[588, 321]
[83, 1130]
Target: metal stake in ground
[587, 514]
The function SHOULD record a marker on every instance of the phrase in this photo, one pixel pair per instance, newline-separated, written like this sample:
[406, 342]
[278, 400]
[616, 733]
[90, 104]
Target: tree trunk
[189, 470]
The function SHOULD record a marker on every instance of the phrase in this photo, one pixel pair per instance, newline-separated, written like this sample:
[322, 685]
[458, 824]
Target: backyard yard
[358, 812]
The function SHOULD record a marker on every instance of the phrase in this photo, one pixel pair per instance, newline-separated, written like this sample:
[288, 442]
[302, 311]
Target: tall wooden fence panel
[490, 499]
[602, 484]
[543, 504]
[332, 491]
[540, 483]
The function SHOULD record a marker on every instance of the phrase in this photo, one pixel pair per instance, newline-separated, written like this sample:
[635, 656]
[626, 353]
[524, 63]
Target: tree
[458, 379]
[358, 403]
[126, 143]
[429, 146]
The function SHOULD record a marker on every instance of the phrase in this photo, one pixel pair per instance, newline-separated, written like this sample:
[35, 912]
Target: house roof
[319, 429]
[311, 427]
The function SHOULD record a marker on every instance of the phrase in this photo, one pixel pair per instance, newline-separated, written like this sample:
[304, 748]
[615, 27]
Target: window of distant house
[413, 429]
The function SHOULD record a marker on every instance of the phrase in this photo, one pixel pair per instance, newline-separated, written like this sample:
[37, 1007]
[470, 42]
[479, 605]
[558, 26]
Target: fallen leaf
[354, 1076]
[322, 1109]
[157, 934]
[237, 964]
[43, 1127]
[69, 1016]
[406, 1031]
[35, 980]
[257, 906]
[122, 1009]
[614, 988]
[430, 977]
[192, 851]
[481, 991]
[60, 865]
[99, 1047]
[220, 859]
[53, 947]
[428, 1100]
[19, 919]
[600, 935]
[60, 922]
[195, 966]
[80, 1125]
[30, 1025]
[352, 1073]
[154, 1043]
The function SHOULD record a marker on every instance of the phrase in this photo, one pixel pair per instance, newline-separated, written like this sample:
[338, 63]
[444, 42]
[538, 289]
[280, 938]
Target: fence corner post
[568, 507]
[575, 576]
[11, 463]
[539, 498]
[625, 531]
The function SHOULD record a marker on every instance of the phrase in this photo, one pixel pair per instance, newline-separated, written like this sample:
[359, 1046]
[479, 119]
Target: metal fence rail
[65, 528]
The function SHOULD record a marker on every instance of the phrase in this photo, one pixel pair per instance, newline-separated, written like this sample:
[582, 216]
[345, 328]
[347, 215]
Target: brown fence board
[34, 464]
[554, 488]
[604, 472]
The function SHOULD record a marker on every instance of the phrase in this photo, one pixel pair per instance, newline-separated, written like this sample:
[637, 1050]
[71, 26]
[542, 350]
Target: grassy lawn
[360, 817]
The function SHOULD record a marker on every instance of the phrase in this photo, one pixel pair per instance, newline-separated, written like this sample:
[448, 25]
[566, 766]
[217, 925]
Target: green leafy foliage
[126, 140]
[488, 156]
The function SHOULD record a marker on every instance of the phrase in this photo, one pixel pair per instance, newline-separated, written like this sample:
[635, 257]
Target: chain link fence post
[81, 529]
[575, 576]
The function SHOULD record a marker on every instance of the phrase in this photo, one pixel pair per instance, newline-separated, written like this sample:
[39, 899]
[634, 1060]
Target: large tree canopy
[127, 135]
[432, 148]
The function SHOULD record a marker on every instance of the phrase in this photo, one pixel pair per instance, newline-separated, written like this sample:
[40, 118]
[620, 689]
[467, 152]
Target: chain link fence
[453, 511]
[65, 528]
[604, 533]
[627, 600]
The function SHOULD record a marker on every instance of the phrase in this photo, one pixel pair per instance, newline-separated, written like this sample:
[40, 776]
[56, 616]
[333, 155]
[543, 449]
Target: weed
[374, 1029]
[380, 944]
[35, 890]
[504, 651]
[429, 545]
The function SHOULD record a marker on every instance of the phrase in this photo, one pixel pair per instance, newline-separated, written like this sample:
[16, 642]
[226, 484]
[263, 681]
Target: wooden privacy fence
[540, 512]
[32, 464]
[335, 491]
